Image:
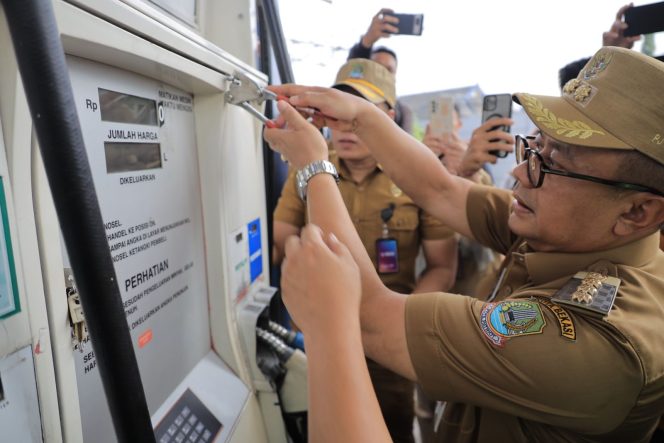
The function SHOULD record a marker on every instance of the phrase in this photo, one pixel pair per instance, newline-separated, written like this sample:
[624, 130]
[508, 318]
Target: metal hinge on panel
[76, 316]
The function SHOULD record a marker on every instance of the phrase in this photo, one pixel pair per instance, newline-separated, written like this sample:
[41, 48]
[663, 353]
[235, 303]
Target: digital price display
[125, 108]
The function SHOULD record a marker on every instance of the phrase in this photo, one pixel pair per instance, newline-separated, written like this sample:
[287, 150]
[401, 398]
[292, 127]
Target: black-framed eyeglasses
[536, 168]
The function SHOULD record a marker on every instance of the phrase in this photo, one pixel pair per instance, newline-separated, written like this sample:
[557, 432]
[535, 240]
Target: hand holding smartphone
[497, 105]
[441, 119]
[409, 24]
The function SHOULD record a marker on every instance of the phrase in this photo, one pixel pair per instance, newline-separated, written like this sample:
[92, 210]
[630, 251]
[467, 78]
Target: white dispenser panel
[19, 409]
[141, 145]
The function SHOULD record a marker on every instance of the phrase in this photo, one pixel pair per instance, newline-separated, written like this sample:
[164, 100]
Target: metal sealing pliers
[244, 90]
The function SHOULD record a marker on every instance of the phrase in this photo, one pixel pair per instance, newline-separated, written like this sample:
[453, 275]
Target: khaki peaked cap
[615, 102]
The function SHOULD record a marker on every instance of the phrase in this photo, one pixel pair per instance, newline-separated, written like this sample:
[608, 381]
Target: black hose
[46, 82]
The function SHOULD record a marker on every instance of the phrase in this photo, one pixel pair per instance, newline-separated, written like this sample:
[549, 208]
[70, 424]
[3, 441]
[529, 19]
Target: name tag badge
[387, 253]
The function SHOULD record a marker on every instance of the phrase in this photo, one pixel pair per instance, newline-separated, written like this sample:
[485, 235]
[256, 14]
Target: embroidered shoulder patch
[512, 318]
[565, 321]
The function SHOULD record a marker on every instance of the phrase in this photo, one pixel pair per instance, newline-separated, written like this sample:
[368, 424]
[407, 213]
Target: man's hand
[616, 35]
[320, 282]
[483, 140]
[382, 26]
[325, 106]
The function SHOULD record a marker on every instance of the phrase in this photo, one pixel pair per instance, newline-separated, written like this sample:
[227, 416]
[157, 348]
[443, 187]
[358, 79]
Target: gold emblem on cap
[562, 126]
[571, 86]
[396, 192]
[579, 90]
[598, 64]
[588, 288]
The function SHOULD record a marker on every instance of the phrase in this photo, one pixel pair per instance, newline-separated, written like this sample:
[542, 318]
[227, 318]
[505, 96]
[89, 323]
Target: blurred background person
[615, 36]
[383, 26]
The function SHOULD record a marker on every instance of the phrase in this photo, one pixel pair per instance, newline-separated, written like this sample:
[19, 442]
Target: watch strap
[314, 168]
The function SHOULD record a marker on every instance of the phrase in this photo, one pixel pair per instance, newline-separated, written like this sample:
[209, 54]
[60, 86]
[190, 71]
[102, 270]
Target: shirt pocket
[404, 227]
[405, 219]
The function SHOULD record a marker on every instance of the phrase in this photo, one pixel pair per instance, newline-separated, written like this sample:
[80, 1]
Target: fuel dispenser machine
[179, 178]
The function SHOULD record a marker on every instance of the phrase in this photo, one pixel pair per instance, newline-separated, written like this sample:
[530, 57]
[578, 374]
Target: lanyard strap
[505, 266]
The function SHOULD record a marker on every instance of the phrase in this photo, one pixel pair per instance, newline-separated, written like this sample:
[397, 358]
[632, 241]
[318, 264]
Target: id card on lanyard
[387, 248]
[387, 255]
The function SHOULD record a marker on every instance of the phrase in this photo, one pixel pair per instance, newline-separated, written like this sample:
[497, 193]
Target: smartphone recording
[497, 106]
[441, 118]
[645, 19]
[409, 24]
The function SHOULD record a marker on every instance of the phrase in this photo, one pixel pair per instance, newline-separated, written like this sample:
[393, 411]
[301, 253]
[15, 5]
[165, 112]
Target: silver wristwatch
[316, 167]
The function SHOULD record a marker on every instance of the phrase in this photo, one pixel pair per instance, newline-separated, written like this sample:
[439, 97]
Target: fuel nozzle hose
[293, 391]
[292, 338]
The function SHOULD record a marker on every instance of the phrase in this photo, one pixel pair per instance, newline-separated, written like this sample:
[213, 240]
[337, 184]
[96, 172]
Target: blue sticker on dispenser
[255, 250]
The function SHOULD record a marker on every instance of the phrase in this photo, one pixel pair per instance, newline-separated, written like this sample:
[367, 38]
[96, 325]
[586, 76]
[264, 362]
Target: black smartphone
[497, 105]
[409, 24]
[644, 19]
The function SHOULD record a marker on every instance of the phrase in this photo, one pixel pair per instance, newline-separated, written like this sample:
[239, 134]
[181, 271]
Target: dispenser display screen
[125, 108]
[125, 157]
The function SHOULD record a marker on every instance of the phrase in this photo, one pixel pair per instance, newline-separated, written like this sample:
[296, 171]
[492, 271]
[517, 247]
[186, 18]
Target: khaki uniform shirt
[478, 264]
[409, 225]
[574, 378]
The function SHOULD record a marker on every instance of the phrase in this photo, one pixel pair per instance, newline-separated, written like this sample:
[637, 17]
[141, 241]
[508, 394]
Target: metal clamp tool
[244, 90]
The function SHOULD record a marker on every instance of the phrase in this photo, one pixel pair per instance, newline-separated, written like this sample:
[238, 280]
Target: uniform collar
[547, 266]
[343, 171]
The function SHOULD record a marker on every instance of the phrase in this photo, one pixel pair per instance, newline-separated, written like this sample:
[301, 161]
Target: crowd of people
[556, 336]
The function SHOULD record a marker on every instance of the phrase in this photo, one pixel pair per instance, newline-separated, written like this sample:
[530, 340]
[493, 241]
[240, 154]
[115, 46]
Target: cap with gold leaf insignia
[614, 103]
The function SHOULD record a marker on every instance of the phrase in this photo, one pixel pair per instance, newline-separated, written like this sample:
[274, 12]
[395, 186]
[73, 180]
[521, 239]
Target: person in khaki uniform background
[371, 197]
[570, 348]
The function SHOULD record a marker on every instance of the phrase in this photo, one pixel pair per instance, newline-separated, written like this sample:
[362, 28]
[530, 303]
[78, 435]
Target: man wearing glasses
[568, 347]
